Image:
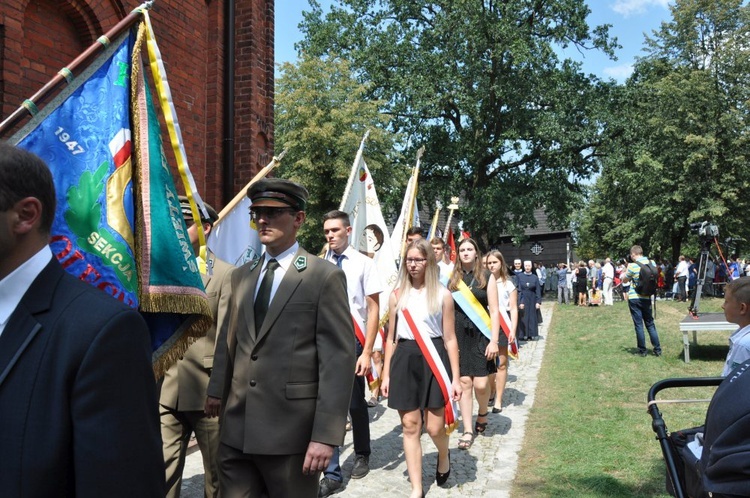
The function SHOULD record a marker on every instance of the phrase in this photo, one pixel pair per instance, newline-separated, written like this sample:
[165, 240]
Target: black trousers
[682, 287]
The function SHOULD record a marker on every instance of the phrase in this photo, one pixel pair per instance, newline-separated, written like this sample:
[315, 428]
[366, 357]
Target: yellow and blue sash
[470, 306]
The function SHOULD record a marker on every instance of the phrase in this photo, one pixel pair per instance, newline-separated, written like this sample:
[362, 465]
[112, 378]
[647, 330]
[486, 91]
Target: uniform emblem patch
[300, 263]
[254, 263]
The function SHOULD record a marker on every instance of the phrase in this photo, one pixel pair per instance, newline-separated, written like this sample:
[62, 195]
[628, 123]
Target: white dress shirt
[284, 259]
[14, 286]
[361, 279]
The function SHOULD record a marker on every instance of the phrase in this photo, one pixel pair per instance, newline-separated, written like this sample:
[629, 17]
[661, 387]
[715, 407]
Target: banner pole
[243, 191]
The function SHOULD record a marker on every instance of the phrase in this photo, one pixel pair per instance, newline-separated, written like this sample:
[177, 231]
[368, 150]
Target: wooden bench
[703, 322]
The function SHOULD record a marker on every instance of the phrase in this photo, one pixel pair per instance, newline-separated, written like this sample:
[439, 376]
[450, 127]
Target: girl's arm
[451, 344]
[513, 298]
[492, 349]
[390, 345]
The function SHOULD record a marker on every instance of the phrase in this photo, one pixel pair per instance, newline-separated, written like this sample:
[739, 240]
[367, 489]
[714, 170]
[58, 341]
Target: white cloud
[630, 7]
[619, 73]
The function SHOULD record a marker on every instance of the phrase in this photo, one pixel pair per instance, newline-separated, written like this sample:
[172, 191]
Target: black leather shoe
[441, 478]
[328, 487]
[361, 467]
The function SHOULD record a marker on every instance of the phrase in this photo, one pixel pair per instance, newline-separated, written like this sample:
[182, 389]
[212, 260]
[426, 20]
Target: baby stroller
[712, 460]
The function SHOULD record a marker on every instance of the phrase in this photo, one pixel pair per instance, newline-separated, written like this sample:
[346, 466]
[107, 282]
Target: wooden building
[542, 244]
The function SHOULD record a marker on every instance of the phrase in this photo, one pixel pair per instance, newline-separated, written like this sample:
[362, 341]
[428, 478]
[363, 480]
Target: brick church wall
[39, 37]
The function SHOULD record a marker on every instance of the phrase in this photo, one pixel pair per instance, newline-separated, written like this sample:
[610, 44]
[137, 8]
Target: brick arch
[52, 38]
[55, 32]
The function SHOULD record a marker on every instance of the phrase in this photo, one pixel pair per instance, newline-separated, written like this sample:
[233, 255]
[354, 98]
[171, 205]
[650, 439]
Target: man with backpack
[642, 274]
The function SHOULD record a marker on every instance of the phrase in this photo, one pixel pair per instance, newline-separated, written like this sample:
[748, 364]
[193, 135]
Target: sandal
[465, 444]
[480, 427]
[373, 402]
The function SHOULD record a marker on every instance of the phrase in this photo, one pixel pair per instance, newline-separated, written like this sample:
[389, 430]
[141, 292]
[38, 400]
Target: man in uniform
[282, 348]
[183, 390]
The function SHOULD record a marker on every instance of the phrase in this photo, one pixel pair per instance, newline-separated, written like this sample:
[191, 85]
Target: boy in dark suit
[77, 390]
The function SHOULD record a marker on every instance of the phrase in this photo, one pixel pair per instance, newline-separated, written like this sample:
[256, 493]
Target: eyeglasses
[415, 261]
[269, 213]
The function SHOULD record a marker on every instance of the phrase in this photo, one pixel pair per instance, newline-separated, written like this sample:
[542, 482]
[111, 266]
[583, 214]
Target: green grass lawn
[589, 434]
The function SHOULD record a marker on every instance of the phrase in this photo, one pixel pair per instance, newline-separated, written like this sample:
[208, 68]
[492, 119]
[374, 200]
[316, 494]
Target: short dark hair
[23, 174]
[337, 215]
[414, 231]
[740, 289]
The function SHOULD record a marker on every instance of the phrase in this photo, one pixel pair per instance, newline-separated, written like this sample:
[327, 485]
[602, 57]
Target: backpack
[646, 285]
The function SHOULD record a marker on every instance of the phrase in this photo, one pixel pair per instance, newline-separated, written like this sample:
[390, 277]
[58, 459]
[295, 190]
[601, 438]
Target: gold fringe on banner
[195, 325]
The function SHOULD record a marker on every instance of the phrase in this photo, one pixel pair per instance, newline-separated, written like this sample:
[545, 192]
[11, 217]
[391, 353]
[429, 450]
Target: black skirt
[412, 385]
[471, 347]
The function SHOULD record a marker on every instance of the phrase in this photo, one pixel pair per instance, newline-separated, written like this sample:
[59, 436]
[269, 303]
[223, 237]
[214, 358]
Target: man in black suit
[77, 392]
[281, 357]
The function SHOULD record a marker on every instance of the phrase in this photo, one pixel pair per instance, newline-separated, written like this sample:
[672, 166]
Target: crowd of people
[264, 391]
[296, 339]
[599, 282]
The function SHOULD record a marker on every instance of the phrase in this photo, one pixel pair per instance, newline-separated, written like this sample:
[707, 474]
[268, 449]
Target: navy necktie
[339, 259]
[263, 299]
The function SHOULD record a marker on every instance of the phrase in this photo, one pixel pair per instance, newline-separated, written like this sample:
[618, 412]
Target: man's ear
[299, 218]
[28, 215]
[207, 227]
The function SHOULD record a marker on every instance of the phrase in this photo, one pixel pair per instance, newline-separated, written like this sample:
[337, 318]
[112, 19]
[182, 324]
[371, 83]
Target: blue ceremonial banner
[118, 224]
[86, 143]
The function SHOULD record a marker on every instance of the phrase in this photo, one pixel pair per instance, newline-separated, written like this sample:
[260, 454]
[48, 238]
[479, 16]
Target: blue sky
[630, 19]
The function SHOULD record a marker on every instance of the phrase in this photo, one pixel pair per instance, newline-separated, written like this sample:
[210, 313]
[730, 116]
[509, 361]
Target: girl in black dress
[476, 353]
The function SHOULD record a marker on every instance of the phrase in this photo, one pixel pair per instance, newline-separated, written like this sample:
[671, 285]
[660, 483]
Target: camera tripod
[696, 300]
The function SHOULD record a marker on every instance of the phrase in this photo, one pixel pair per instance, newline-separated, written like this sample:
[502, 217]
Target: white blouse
[417, 306]
[504, 289]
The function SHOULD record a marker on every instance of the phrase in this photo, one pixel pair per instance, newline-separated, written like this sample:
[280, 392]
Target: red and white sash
[505, 325]
[438, 370]
[372, 378]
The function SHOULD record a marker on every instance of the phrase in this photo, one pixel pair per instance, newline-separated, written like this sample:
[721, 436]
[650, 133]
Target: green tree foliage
[322, 113]
[507, 124]
[680, 151]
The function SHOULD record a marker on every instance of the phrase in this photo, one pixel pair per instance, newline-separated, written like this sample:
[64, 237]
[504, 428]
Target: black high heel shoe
[441, 478]
[480, 427]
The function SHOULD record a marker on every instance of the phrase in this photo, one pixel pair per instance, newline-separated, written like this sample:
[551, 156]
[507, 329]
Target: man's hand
[317, 458]
[364, 365]
[212, 407]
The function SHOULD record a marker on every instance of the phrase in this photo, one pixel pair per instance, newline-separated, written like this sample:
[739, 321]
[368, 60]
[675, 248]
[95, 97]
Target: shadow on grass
[708, 352]
[593, 486]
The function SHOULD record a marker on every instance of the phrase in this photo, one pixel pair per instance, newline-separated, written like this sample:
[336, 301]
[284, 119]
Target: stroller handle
[682, 382]
[660, 428]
